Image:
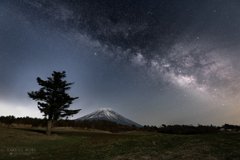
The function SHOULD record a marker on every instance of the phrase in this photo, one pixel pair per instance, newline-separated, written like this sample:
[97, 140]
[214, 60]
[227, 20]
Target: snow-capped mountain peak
[110, 115]
[107, 111]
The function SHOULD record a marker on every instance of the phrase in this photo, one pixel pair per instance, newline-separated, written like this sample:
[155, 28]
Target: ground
[69, 143]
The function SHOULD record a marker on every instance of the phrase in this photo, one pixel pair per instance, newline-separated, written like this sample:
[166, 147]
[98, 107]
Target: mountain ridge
[110, 115]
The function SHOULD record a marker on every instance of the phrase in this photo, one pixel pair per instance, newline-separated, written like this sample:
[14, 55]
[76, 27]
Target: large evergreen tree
[54, 102]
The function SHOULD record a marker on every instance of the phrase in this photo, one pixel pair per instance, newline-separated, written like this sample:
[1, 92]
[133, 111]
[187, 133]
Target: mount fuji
[110, 115]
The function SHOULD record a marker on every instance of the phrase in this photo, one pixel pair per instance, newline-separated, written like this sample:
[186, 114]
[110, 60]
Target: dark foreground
[68, 143]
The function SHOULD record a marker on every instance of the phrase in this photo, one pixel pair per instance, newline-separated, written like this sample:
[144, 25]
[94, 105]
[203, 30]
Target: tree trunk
[49, 127]
[53, 123]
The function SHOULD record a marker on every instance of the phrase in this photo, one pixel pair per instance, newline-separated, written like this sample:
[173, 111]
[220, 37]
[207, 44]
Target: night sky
[152, 61]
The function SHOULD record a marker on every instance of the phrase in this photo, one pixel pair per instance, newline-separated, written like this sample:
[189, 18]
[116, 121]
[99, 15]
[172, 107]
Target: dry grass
[15, 125]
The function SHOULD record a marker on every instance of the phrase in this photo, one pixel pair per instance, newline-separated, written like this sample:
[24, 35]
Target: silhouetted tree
[54, 102]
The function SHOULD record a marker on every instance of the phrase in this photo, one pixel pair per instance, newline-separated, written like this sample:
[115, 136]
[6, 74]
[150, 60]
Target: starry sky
[152, 61]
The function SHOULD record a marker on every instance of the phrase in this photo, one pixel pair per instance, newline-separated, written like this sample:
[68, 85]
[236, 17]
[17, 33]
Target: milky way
[171, 61]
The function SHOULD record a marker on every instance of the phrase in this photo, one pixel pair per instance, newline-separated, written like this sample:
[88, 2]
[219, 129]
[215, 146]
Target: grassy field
[68, 143]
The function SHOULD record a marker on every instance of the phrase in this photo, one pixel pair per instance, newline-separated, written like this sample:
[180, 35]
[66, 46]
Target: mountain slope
[110, 115]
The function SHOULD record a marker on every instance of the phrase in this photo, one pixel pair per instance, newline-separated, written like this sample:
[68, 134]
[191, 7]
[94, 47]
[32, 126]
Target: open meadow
[69, 143]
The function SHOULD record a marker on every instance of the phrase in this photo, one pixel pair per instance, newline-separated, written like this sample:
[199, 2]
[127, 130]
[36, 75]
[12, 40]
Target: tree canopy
[53, 99]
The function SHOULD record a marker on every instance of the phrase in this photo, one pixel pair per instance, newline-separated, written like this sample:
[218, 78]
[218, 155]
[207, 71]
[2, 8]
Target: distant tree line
[86, 124]
[200, 129]
[35, 122]
[188, 129]
[114, 127]
[232, 127]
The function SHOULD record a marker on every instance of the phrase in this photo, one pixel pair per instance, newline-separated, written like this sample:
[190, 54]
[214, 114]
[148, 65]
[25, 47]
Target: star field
[155, 62]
